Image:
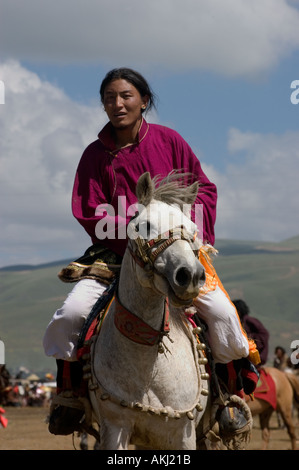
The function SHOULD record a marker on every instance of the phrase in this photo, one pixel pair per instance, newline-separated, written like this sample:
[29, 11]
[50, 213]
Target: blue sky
[222, 72]
[201, 105]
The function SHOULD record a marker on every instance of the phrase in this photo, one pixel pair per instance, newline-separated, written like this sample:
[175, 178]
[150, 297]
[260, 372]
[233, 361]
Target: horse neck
[144, 302]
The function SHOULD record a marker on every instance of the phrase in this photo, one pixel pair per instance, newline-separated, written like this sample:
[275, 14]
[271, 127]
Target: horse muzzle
[186, 280]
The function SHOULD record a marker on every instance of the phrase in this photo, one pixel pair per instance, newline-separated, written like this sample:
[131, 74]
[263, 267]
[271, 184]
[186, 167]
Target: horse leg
[84, 441]
[286, 414]
[279, 423]
[114, 437]
[264, 418]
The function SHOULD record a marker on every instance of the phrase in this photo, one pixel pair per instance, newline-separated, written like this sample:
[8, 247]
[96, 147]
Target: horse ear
[145, 189]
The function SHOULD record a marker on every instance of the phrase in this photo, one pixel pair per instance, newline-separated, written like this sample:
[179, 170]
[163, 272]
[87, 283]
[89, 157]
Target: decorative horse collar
[138, 330]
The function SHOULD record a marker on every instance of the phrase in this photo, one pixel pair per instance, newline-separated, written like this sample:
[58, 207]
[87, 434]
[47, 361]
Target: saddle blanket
[266, 389]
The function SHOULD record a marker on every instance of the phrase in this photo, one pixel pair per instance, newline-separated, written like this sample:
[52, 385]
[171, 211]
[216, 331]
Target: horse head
[163, 239]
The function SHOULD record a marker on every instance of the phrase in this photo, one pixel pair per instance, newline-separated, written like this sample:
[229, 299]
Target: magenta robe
[105, 173]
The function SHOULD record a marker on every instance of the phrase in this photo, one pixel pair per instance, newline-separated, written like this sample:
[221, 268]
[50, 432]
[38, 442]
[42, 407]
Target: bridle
[144, 254]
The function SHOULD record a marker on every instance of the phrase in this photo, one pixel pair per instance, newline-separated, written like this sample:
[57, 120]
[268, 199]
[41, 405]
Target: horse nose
[201, 276]
[184, 277]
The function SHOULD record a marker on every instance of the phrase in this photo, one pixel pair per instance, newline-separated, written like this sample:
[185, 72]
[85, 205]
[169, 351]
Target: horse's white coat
[138, 373]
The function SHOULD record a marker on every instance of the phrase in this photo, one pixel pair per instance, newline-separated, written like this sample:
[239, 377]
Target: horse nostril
[200, 277]
[183, 277]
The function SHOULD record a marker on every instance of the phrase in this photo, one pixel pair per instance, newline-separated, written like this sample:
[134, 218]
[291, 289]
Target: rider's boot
[239, 378]
[67, 411]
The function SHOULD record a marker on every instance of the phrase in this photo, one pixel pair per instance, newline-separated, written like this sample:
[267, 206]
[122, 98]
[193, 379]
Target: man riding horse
[104, 189]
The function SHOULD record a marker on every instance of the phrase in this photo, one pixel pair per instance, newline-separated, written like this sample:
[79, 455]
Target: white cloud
[233, 38]
[259, 195]
[43, 134]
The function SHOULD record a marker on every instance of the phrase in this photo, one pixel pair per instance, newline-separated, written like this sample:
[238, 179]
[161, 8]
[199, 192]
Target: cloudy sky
[223, 72]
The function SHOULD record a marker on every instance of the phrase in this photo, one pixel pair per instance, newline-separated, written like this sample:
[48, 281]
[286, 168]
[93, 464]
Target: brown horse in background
[287, 391]
[294, 381]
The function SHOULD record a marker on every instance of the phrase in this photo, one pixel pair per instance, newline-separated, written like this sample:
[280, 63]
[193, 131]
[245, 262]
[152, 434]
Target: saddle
[98, 262]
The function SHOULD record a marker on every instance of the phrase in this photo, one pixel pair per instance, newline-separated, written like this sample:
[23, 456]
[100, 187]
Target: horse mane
[177, 188]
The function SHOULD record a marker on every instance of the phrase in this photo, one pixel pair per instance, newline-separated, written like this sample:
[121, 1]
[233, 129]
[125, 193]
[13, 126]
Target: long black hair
[133, 77]
[241, 307]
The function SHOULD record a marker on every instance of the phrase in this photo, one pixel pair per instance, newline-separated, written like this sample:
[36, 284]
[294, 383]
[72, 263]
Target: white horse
[149, 386]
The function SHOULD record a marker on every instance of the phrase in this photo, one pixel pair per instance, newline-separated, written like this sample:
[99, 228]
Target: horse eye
[143, 228]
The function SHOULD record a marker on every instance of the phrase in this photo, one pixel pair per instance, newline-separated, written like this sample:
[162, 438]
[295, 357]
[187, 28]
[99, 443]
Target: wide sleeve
[91, 199]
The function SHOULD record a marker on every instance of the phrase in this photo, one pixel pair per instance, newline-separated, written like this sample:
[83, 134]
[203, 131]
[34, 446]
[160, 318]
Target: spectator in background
[281, 359]
[254, 328]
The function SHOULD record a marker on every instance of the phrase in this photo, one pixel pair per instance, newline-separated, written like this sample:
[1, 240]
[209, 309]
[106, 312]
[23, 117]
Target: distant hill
[265, 275]
[32, 267]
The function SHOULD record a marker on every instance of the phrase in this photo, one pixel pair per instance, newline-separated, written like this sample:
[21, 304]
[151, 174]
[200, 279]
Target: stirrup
[66, 414]
[234, 422]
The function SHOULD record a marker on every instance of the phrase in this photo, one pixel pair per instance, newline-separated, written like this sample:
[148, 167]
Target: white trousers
[62, 334]
[226, 339]
[224, 331]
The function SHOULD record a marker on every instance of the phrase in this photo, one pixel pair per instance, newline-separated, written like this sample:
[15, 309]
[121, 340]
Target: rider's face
[123, 103]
